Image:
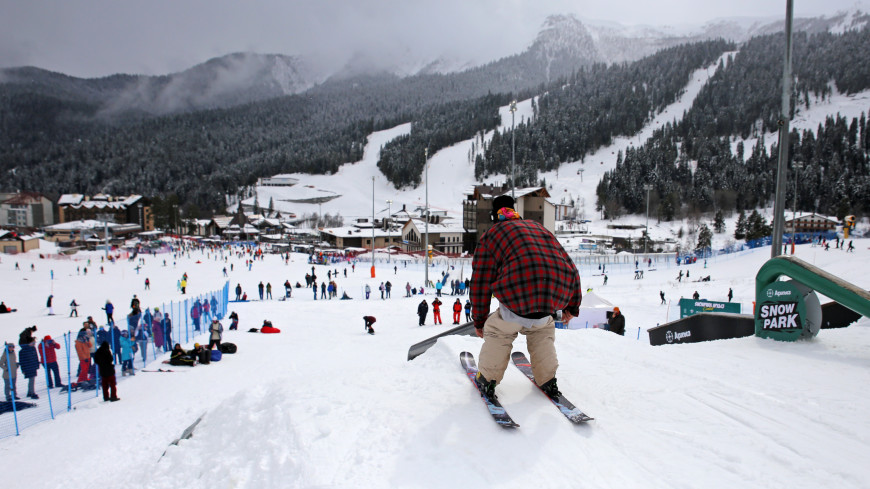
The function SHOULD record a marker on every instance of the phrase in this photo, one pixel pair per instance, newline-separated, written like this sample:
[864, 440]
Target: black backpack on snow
[228, 348]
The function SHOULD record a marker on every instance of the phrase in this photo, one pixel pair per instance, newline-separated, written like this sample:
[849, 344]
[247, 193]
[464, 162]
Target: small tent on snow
[593, 312]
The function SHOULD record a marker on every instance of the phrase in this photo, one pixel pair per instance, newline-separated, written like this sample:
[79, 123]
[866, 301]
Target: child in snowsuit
[127, 354]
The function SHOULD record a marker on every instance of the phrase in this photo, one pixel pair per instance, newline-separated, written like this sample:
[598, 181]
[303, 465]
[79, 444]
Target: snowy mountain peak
[567, 36]
[563, 38]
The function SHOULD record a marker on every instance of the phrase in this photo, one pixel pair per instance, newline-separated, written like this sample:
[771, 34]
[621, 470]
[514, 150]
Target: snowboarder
[74, 311]
[730, 294]
[369, 320]
[48, 305]
[662, 295]
[696, 295]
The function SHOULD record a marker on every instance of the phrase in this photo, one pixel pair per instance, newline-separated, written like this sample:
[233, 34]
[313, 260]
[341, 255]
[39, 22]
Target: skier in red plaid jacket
[527, 270]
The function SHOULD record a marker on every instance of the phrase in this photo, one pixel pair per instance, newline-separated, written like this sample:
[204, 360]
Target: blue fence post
[13, 388]
[66, 339]
[163, 325]
[96, 376]
[112, 344]
[186, 323]
[47, 390]
[638, 333]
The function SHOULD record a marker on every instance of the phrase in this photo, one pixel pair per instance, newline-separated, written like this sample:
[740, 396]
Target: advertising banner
[689, 307]
[706, 326]
[781, 312]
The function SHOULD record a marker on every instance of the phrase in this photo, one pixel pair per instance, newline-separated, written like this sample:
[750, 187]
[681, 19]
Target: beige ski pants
[498, 340]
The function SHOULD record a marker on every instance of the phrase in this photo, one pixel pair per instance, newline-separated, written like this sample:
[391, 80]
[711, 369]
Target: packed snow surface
[323, 404]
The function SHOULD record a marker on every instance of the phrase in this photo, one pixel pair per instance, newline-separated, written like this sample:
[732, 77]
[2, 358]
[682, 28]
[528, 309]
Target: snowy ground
[325, 405]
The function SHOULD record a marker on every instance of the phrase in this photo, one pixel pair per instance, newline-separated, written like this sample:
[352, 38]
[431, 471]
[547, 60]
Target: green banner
[689, 307]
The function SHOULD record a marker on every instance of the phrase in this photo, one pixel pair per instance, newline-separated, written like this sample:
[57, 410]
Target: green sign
[780, 312]
[689, 307]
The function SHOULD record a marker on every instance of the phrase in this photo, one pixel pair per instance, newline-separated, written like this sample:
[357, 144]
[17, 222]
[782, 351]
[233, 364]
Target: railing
[51, 400]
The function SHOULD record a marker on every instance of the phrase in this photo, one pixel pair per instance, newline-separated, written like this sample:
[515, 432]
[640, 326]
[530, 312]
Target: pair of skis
[498, 412]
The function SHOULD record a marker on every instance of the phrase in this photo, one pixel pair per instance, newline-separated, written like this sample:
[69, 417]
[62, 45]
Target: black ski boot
[486, 387]
[550, 389]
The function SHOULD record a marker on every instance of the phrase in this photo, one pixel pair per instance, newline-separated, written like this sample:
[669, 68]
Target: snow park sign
[782, 312]
[689, 307]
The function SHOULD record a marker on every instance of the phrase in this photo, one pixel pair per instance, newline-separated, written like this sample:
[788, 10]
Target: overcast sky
[90, 38]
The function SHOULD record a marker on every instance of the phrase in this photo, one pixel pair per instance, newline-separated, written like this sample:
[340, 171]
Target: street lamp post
[513, 146]
[390, 226]
[426, 217]
[373, 227]
[646, 187]
[782, 164]
[797, 169]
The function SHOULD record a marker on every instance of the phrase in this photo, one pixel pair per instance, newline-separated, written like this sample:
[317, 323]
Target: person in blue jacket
[110, 309]
[116, 343]
[103, 336]
[142, 338]
[126, 354]
[28, 360]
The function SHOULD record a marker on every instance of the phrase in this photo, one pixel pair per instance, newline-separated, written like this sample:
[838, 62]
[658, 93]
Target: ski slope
[325, 405]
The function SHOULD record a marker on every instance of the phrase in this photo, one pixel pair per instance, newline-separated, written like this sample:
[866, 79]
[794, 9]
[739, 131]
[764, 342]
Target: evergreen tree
[740, 228]
[719, 222]
[705, 237]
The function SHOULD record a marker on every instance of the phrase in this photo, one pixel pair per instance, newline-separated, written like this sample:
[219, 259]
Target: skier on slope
[523, 265]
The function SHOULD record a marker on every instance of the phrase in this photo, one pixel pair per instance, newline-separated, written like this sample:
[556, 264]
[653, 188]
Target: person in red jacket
[457, 310]
[523, 265]
[436, 311]
[48, 359]
[268, 328]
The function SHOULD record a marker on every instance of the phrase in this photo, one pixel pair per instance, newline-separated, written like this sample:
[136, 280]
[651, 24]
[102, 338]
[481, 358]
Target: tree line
[700, 164]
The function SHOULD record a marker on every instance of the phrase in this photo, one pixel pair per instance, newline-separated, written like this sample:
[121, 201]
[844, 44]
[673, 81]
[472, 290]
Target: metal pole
[390, 226]
[426, 217]
[646, 187]
[794, 211]
[513, 147]
[373, 227]
[782, 167]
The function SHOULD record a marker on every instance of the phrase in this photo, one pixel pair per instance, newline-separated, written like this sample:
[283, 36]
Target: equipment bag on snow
[228, 348]
[204, 357]
[216, 355]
